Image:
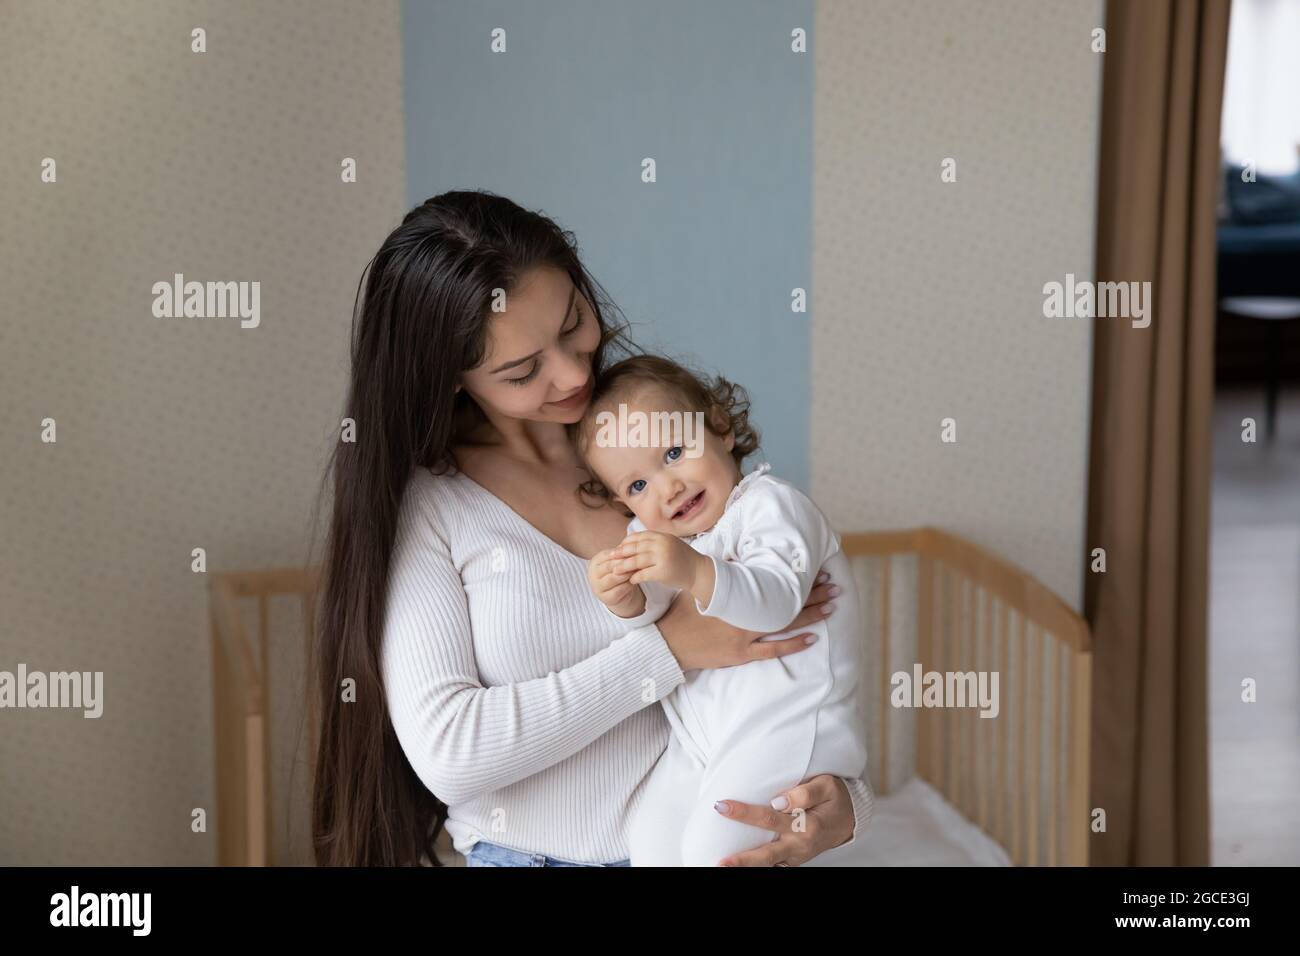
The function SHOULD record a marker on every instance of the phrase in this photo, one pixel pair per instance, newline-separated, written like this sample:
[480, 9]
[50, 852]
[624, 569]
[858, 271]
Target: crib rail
[972, 611]
[240, 690]
[975, 612]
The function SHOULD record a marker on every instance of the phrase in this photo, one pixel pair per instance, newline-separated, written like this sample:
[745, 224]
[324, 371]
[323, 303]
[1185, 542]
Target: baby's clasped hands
[665, 559]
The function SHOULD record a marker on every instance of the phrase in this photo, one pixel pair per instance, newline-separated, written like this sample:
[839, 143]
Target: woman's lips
[689, 508]
[576, 400]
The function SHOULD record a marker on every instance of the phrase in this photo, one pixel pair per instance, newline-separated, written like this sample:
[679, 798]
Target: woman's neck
[541, 443]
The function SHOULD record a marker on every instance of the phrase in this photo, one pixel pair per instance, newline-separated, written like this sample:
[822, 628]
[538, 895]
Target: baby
[668, 447]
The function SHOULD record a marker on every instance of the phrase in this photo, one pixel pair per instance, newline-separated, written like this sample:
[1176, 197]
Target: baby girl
[668, 447]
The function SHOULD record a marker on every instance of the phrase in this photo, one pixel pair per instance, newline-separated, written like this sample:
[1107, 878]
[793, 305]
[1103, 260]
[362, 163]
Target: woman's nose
[573, 373]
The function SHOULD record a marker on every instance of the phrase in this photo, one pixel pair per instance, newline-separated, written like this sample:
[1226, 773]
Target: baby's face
[675, 481]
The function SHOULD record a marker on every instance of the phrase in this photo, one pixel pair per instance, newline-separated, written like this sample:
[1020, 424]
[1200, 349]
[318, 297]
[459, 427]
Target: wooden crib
[1023, 776]
[930, 598]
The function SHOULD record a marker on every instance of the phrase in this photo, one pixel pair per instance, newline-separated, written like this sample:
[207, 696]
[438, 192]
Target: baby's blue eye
[672, 454]
[637, 486]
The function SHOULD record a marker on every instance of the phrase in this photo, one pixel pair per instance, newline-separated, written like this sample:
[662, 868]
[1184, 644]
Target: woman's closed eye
[524, 380]
[577, 323]
[537, 363]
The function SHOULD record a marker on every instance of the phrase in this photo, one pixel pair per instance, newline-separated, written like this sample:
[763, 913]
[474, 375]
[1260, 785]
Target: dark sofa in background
[1258, 255]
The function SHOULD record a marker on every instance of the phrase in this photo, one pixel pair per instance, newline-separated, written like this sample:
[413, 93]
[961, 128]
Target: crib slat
[953, 621]
[925, 737]
[1079, 826]
[886, 671]
[984, 724]
[998, 638]
[1034, 724]
[1018, 744]
[937, 724]
[1054, 726]
[969, 715]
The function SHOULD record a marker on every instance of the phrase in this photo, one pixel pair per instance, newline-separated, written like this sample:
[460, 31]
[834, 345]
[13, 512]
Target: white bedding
[915, 826]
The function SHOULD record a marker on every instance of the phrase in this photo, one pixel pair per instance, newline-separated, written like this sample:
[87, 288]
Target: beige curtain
[1150, 451]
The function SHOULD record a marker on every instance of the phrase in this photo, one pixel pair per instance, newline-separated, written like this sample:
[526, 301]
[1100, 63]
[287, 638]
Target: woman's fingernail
[810, 639]
[828, 607]
[721, 806]
[833, 590]
[823, 578]
[780, 803]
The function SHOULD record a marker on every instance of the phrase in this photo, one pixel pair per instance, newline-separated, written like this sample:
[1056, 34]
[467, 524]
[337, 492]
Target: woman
[490, 690]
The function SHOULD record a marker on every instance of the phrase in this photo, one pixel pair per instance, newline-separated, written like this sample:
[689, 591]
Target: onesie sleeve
[464, 739]
[784, 539]
[658, 598]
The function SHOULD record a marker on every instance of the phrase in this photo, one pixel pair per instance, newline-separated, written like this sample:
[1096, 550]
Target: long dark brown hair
[421, 322]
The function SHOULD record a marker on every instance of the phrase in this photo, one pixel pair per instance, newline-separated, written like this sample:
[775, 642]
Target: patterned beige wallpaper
[172, 433]
[927, 295]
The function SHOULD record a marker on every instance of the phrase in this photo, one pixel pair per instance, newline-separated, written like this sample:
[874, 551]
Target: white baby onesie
[751, 731]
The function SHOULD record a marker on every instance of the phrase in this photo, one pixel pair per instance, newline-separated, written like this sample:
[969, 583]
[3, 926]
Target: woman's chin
[560, 415]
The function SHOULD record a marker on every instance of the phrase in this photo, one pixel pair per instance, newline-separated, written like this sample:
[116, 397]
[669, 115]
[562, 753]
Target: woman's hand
[826, 810]
[699, 642]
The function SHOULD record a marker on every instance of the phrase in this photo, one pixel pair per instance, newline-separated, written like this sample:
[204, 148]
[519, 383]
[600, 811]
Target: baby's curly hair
[715, 396]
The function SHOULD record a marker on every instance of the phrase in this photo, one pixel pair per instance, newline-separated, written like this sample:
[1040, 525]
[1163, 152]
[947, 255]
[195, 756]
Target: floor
[1255, 633]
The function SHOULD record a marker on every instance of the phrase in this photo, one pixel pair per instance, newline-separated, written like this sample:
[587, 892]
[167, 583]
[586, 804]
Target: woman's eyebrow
[502, 368]
[573, 294]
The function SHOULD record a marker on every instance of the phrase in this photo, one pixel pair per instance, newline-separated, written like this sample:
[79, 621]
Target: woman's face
[539, 352]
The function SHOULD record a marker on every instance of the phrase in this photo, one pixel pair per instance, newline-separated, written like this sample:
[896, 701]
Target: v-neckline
[532, 527]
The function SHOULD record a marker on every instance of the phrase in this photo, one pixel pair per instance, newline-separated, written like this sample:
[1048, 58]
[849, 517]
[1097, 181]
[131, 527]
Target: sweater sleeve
[464, 739]
[863, 806]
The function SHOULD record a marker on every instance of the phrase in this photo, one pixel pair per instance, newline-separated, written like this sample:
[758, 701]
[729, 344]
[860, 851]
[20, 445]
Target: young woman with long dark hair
[490, 692]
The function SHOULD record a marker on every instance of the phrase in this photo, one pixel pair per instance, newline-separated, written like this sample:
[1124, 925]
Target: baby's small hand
[613, 588]
[655, 556]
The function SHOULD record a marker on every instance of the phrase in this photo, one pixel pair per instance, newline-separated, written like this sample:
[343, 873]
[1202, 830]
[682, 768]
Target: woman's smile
[575, 401]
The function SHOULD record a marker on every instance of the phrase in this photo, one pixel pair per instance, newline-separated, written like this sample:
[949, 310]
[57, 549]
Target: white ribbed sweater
[518, 700]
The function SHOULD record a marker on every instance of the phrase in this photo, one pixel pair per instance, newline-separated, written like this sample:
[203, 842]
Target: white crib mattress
[916, 826]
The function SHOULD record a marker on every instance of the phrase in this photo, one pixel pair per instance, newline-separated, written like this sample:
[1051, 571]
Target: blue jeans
[484, 853]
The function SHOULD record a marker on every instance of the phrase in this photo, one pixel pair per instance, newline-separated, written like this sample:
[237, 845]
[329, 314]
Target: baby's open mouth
[689, 508]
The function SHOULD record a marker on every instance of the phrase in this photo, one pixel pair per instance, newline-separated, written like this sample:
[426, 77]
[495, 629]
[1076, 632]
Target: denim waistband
[485, 853]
